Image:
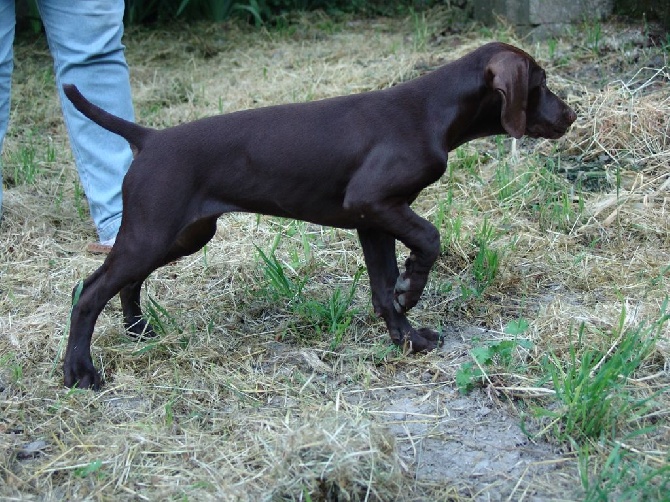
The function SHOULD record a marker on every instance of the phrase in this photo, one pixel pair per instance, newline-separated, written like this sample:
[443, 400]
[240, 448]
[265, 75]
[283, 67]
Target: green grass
[464, 158]
[10, 363]
[599, 412]
[278, 283]
[162, 321]
[26, 167]
[623, 474]
[537, 185]
[334, 315]
[486, 263]
[483, 256]
[593, 386]
[80, 202]
[594, 35]
[314, 317]
[421, 29]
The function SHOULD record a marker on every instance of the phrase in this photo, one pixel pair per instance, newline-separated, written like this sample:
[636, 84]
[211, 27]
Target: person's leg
[7, 23]
[85, 40]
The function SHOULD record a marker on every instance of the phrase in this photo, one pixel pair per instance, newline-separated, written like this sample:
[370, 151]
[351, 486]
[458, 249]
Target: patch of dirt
[472, 441]
[476, 445]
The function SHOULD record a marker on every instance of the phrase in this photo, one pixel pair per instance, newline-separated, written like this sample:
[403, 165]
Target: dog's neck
[457, 111]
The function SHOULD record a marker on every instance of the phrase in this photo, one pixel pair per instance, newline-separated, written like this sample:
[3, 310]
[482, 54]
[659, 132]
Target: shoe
[100, 247]
[97, 248]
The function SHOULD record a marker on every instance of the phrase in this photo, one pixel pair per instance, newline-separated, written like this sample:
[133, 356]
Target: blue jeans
[84, 38]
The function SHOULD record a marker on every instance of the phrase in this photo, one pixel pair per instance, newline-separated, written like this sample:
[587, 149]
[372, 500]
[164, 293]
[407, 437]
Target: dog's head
[528, 106]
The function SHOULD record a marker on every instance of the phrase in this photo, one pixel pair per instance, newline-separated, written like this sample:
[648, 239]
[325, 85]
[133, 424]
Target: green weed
[623, 476]
[26, 168]
[551, 47]
[592, 387]
[60, 192]
[465, 159]
[453, 230]
[295, 230]
[11, 362]
[501, 148]
[485, 264]
[333, 316]
[160, 319]
[50, 153]
[279, 285]
[88, 469]
[473, 373]
[448, 219]
[169, 412]
[557, 204]
[504, 178]
[80, 200]
[421, 31]
[442, 211]
[593, 35]
[258, 11]
[490, 356]
[487, 260]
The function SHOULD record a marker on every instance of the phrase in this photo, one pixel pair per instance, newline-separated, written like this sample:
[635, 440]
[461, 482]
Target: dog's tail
[133, 133]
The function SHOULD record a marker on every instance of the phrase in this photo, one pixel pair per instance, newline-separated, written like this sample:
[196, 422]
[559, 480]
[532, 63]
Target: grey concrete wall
[541, 18]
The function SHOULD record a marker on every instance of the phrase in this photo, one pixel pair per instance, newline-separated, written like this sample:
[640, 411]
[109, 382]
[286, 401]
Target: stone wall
[541, 18]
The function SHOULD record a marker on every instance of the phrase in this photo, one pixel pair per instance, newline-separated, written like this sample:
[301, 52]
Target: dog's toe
[423, 340]
[405, 301]
[402, 284]
[141, 329]
[398, 306]
[82, 375]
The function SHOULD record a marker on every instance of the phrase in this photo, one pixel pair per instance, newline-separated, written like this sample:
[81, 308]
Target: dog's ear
[507, 73]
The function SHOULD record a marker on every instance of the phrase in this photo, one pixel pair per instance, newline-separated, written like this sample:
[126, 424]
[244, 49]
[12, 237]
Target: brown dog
[355, 161]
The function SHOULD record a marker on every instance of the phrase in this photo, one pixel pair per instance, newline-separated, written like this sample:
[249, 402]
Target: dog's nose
[570, 115]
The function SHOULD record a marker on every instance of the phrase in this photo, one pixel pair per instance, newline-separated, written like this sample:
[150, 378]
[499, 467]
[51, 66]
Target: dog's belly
[324, 214]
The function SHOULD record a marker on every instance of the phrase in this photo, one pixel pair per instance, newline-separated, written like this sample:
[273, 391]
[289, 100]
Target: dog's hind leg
[97, 290]
[133, 320]
[189, 240]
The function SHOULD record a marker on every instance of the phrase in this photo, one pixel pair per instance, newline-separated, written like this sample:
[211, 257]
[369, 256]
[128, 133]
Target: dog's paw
[404, 295]
[140, 328]
[422, 340]
[81, 374]
[417, 340]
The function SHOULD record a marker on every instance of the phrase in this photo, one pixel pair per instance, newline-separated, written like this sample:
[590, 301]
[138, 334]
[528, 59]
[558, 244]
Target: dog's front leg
[379, 251]
[423, 241]
[372, 196]
[412, 281]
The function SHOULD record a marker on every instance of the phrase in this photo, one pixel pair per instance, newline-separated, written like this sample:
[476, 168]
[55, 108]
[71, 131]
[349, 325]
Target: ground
[271, 378]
